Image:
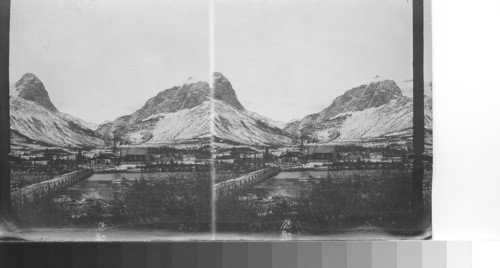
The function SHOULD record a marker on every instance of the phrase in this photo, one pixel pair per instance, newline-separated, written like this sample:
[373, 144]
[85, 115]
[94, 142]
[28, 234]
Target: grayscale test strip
[341, 254]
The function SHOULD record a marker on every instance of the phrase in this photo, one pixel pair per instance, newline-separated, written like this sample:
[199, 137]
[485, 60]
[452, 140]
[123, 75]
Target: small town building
[376, 157]
[135, 156]
[245, 152]
[103, 159]
[163, 159]
[54, 153]
[225, 159]
[203, 161]
[39, 161]
[276, 152]
[29, 156]
[350, 157]
[290, 157]
[189, 159]
[325, 153]
[395, 159]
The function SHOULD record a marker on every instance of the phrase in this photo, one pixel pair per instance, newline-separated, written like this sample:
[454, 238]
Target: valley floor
[290, 205]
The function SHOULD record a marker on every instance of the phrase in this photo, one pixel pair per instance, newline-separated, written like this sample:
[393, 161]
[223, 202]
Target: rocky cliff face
[30, 88]
[223, 91]
[374, 94]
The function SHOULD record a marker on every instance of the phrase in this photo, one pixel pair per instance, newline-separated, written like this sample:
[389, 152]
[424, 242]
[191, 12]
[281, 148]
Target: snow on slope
[355, 115]
[230, 124]
[32, 123]
[392, 119]
[184, 113]
[244, 127]
[36, 121]
[184, 124]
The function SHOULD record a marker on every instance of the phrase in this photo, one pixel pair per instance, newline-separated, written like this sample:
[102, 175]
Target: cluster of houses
[318, 154]
[328, 154]
[229, 156]
[42, 157]
[250, 156]
[144, 156]
[100, 158]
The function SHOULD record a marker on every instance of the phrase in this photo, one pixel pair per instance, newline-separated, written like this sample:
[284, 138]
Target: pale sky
[288, 59]
[100, 59]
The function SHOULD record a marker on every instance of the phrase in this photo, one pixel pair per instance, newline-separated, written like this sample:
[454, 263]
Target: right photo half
[313, 121]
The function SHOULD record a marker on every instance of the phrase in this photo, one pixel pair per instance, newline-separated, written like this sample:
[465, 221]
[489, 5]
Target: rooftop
[326, 149]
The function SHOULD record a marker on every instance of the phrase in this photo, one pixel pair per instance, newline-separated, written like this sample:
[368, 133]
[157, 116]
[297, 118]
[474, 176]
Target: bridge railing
[42, 189]
[231, 186]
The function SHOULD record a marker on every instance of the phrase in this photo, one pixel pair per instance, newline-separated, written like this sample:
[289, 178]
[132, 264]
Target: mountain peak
[28, 76]
[378, 78]
[218, 76]
[29, 87]
[374, 110]
[375, 94]
[191, 80]
[223, 90]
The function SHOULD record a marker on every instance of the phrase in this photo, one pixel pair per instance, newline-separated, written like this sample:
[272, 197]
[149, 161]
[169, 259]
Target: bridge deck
[38, 190]
[230, 186]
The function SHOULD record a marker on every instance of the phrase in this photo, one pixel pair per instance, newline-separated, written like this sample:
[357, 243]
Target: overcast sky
[100, 59]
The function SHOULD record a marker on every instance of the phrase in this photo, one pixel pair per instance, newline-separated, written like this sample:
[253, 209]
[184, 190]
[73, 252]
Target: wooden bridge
[35, 191]
[231, 186]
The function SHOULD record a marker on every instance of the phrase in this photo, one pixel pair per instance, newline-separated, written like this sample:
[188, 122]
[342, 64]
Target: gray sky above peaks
[285, 59]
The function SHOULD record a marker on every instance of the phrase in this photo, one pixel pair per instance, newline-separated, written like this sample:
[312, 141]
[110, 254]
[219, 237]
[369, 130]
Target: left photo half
[110, 120]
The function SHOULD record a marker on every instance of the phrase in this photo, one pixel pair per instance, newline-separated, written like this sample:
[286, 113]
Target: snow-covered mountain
[35, 121]
[194, 110]
[197, 111]
[376, 110]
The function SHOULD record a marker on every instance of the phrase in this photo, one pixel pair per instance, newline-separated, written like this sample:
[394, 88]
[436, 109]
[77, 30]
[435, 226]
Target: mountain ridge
[377, 109]
[369, 111]
[164, 117]
[34, 120]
